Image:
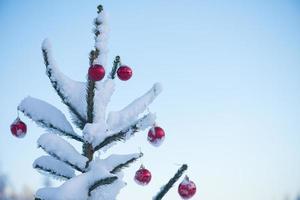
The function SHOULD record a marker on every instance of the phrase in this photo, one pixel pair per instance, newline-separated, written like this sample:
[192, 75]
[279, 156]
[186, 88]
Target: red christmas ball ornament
[187, 188]
[18, 128]
[143, 176]
[124, 73]
[156, 136]
[96, 72]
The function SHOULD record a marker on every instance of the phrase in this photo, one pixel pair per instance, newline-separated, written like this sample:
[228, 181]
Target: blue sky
[231, 77]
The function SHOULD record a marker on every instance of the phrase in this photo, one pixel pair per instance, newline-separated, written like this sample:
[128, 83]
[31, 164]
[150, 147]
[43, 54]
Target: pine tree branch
[50, 126]
[121, 166]
[56, 168]
[65, 161]
[123, 134]
[81, 120]
[105, 181]
[116, 64]
[54, 173]
[117, 137]
[171, 182]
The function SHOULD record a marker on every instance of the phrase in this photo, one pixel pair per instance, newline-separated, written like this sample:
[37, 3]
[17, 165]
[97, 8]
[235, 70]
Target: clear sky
[231, 77]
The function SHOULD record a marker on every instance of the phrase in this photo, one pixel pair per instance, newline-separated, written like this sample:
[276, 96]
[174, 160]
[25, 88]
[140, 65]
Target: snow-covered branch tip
[53, 173]
[126, 164]
[48, 117]
[116, 64]
[115, 163]
[100, 34]
[63, 151]
[101, 38]
[54, 167]
[64, 87]
[163, 191]
[141, 124]
[120, 119]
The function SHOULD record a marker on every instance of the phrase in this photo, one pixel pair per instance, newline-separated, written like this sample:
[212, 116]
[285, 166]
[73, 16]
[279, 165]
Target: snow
[114, 160]
[143, 123]
[103, 94]
[109, 192]
[42, 112]
[96, 131]
[55, 145]
[102, 39]
[125, 117]
[77, 188]
[146, 121]
[73, 90]
[50, 163]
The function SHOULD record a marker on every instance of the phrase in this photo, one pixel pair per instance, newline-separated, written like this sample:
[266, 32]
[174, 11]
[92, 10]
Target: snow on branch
[54, 167]
[70, 91]
[105, 181]
[101, 37]
[125, 117]
[97, 129]
[97, 56]
[163, 191]
[103, 94]
[47, 116]
[115, 163]
[109, 191]
[79, 187]
[63, 151]
[139, 125]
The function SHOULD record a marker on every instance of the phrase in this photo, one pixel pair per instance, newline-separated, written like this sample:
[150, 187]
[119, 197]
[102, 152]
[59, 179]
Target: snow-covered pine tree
[86, 176]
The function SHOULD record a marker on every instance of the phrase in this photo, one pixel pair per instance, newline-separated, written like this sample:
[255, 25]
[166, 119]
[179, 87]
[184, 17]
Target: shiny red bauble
[143, 176]
[18, 128]
[96, 72]
[124, 73]
[187, 188]
[156, 136]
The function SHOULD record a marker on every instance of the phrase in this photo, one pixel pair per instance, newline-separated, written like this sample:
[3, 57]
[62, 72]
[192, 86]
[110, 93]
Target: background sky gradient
[231, 77]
